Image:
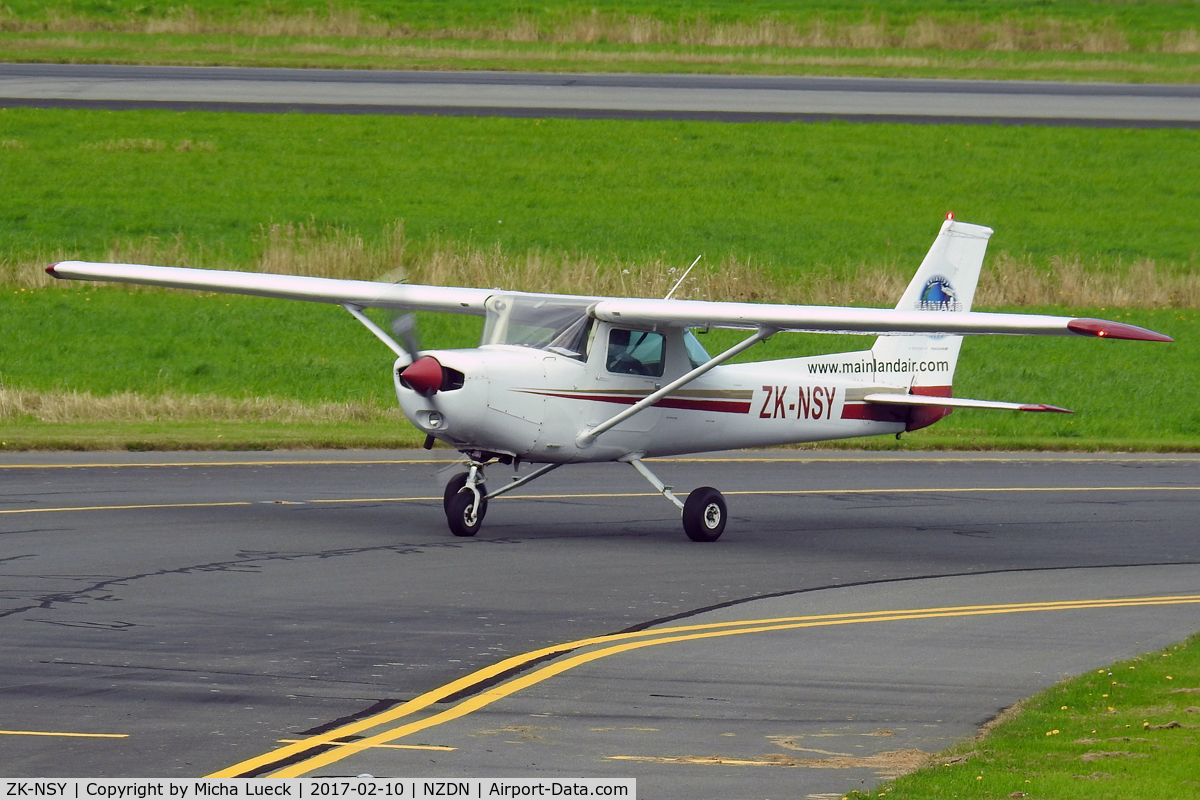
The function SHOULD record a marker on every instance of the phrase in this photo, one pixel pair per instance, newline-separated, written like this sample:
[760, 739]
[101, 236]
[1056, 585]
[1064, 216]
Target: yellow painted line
[490, 696]
[439, 747]
[791, 492]
[303, 463]
[926, 490]
[617, 495]
[336, 500]
[981, 458]
[126, 508]
[718, 761]
[632, 640]
[63, 733]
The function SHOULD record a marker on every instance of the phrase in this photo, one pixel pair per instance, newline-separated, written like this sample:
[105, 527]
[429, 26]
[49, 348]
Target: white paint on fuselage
[532, 403]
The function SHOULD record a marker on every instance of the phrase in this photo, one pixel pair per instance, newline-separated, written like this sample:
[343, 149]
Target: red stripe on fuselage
[719, 406]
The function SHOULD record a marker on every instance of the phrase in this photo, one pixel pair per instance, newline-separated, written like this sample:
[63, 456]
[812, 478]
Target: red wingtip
[50, 269]
[1044, 407]
[1114, 330]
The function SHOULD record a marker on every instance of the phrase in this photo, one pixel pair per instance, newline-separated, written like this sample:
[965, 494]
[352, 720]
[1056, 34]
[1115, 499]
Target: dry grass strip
[76, 407]
[333, 252]
[1046, 34]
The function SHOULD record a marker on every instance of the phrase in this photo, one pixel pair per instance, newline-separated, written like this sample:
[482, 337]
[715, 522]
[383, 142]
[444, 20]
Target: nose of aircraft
[424, 376]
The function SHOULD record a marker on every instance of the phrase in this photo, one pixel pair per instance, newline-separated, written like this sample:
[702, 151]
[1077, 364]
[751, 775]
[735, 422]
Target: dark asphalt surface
[205, 633]
[615, 96]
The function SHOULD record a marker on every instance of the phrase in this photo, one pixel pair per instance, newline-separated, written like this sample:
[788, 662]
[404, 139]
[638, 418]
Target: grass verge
[1126, 732]
[90, 47]
[174, 435]
[1072, 39]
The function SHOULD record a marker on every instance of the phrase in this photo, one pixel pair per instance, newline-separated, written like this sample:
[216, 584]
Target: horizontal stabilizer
[957, 402]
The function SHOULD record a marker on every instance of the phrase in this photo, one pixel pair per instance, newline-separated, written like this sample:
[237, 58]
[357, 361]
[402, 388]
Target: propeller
[404, 327]
[424, 374]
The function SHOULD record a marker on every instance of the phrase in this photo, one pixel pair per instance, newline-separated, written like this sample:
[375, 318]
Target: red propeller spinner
[425, 375]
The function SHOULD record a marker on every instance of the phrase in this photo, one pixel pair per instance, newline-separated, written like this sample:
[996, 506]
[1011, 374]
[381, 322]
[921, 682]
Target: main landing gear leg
[704, 512]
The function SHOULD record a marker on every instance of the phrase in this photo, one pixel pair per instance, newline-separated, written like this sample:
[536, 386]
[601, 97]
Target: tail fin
[947, 278]
[945, 281]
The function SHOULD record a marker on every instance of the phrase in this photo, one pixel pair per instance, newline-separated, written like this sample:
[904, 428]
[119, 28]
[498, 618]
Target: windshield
[545, 323]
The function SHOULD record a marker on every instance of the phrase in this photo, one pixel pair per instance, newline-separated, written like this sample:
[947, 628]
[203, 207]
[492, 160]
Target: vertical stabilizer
[948, 276]
[945, 281]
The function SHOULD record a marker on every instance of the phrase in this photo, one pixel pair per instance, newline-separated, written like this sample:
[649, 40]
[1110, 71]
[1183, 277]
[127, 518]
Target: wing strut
[379, 332]
[587, 436]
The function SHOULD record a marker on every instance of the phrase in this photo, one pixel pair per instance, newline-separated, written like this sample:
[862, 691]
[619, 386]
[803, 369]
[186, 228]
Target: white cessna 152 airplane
[564, 379]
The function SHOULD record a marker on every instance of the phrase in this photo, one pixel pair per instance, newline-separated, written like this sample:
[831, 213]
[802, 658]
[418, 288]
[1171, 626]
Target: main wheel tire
[456, 485]
[458, 514]
[704, 515]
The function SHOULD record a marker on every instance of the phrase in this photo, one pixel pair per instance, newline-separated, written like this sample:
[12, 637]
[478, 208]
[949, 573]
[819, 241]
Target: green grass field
[785, 196]
[1068, 39]
[1128, 395]
[1145, 18]
[1128, 731]
[785, 201]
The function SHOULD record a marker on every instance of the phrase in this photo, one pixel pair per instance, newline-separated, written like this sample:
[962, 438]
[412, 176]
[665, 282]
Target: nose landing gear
[466, 498]
[465, 501]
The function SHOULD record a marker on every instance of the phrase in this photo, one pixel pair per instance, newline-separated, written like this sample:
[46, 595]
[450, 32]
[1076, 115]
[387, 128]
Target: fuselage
[531, 403]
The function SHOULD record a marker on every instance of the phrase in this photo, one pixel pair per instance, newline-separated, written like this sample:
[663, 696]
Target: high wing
[840, 319]
[637, 312]
[368, 294]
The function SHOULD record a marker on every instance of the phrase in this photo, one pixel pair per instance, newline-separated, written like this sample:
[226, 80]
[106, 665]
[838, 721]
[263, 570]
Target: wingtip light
[950, 215]
[1115, 330]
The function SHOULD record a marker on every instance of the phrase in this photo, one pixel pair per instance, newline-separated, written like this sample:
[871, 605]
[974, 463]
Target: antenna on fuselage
[681, 279]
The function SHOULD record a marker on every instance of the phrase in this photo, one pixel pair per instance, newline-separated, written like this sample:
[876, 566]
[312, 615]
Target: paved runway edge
[586, 113]
[599, 96]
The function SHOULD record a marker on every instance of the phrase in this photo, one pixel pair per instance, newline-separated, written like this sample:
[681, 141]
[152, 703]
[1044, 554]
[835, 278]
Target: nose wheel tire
[455, 486]
[461, 516]
[704, 515]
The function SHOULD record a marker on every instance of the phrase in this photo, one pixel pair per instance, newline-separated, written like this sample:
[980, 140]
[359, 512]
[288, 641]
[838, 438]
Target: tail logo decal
[939, 295]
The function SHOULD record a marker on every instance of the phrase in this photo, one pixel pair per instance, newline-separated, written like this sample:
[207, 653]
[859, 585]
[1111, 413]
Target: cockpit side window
[696, 353]
[635, 352]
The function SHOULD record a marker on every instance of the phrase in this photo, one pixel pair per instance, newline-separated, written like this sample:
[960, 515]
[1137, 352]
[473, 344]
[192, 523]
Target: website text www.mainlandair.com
[869, 366]
[300, 788]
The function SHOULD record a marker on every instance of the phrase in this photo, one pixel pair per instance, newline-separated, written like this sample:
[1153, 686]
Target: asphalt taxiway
[193, 614]
[732, 98]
